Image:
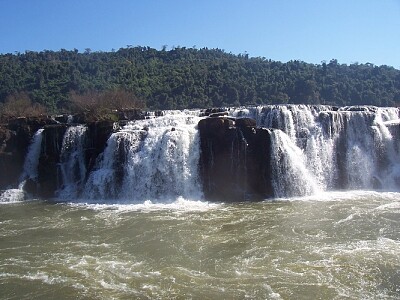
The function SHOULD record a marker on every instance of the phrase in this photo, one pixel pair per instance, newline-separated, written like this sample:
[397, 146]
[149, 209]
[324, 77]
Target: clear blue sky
[309, 30]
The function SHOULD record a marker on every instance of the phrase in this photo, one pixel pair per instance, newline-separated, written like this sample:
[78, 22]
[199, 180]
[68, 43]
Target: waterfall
[30, 169]
[291, 175]
[101, 183]
[327, 148]
[72, 162]
[387, 147]
[149, 159]
[29, 172]
[308, 149]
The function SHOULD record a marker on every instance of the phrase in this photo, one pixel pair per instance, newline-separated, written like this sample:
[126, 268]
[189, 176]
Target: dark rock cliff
[234, 160]
[49, 180]
[16, 136]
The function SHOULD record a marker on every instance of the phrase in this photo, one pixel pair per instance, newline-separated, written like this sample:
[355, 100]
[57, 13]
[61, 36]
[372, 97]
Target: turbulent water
[328, 246]
[137, 227]
[156, 159]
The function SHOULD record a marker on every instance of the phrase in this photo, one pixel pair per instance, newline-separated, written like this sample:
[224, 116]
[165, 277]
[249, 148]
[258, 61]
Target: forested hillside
[188, 78]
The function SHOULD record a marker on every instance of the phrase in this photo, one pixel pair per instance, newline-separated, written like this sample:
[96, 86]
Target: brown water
[331, 246]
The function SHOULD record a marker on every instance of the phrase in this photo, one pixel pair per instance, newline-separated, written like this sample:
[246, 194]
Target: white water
[317, 148]
[328, 246]
[72, 165]
[29, 171]
[12, 196]
[154, 159]
[313, 149]
[291, 177]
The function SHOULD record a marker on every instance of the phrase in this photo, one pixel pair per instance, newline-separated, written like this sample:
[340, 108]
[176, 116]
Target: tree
[102, 103]
[20, 105]
[189, 77]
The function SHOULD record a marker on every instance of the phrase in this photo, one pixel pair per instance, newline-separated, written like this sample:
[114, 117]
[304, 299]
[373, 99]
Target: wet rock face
[14, 142]
[49, 175]
[234, 160]
[97, 136]
[16, 136]
[9, 165]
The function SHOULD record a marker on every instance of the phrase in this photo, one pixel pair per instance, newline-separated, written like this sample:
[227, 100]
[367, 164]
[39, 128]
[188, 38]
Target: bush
[103, 103]
[20, 105]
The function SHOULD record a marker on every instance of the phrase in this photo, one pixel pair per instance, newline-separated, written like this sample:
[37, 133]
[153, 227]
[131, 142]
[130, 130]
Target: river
[136, 225]
[334, 245]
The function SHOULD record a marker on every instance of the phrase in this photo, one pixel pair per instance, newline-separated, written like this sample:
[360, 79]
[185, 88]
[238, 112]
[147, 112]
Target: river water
[101, 238]
[335, 245]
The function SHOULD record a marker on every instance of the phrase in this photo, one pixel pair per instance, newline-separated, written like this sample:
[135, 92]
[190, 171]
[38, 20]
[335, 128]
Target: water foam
[29, 172]
[149, 159]
[12, 196]
[180, 205]
[321, 148]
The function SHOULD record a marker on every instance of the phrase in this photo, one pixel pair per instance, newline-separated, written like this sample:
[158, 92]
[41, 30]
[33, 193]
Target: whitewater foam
[178, 205]
[12, 196]
[331, 196]
[149, 159]
[321, 148]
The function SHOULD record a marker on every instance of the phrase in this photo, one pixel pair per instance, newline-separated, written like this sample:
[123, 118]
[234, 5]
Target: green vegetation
[182, 77]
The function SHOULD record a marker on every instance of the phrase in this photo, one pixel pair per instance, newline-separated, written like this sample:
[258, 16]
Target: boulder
[131, 114]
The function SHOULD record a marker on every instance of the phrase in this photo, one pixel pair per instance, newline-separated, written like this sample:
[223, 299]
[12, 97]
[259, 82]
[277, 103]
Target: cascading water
[29, 170]
[291, 176]
[149, 159]
[72, 162]
[325, 148]
[330, 245]
[32, 158]
[387, 149]
[312, 148]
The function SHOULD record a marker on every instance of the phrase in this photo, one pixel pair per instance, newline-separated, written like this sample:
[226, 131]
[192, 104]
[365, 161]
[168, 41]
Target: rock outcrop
[234, 160]
[17, 134]
[49, 180]
[15, 138]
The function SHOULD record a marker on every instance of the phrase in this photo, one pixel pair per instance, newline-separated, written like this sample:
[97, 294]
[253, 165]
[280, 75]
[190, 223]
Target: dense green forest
[188, 78]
